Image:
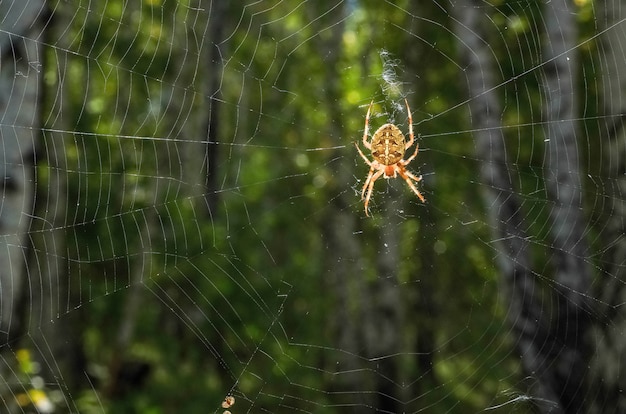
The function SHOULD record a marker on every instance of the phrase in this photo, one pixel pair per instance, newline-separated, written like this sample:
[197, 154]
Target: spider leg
[363, 155]
[367, 122]
[408, 176]
[371, 177]
[372, 169]
[412, 176]
[367, 182]
[370, 180]
[408, 160]
[411, 136]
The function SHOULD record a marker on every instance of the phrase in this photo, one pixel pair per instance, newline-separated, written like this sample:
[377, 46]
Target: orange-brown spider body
[388, 146]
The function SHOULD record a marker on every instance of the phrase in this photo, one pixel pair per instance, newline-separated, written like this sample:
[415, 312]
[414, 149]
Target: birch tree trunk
[608, 366]
[551, 343]
[563, 183]
[20, 77]
[21, 29]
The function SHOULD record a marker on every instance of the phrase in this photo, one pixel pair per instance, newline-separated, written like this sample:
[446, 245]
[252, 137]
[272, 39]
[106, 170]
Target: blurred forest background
[181, 216]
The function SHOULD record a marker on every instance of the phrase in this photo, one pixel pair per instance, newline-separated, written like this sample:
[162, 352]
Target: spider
[388, 146]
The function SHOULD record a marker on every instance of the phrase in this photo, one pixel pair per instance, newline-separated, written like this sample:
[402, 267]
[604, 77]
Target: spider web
[182, 217]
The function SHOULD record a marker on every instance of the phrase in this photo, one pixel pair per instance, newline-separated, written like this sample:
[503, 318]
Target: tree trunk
[563, 183]
[548, 349]
[608, 366]
[212, 56]
[20, 78]
[21, 30]
[383, 328]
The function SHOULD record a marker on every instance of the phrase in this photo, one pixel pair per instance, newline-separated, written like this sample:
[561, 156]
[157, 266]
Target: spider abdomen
[388, 144]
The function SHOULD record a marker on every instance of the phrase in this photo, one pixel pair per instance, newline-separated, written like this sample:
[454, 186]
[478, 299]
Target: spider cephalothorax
[388, 146]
